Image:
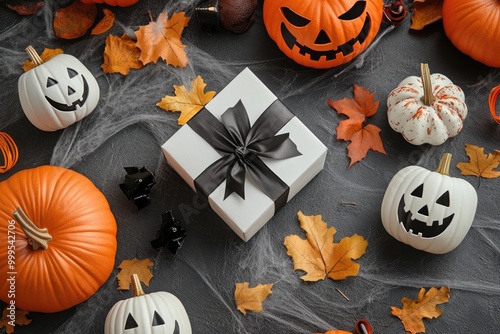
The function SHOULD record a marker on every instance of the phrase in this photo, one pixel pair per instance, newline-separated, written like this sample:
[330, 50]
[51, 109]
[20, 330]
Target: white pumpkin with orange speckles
[427, 109]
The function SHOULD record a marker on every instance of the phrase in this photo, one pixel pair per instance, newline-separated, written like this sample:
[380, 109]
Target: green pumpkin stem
[38, 237]
[34, 55]
[444, 164]
[425, 74]
[136, 286]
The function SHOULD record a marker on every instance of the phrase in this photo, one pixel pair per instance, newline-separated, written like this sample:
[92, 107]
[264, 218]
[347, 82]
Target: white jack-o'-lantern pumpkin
[429, 210]
[57, 93]
[154, 313]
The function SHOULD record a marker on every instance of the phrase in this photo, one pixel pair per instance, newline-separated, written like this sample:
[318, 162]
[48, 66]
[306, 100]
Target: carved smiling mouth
[77, 103]
[418, 227]
[345, 49]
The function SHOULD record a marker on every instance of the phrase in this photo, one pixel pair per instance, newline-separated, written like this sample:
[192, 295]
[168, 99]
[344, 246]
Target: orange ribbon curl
[492, 100]
[8, 149]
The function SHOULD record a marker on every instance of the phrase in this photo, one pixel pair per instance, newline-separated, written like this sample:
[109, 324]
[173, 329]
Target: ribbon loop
[241, 147]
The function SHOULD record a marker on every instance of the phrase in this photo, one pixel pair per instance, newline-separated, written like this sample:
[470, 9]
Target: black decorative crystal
[137, 185]
[170, 235]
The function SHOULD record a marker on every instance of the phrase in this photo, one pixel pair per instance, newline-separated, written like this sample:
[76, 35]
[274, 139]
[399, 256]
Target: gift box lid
[189, 154]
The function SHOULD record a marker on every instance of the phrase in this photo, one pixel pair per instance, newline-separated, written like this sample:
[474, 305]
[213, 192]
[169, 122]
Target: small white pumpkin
[57, 93]
[429, 210]
[155, 313]
[427, 109]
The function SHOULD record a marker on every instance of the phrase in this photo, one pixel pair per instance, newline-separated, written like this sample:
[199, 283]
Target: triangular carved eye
[131, 323]
[355, 11]
[294, 18]
[419, 191]
[51, 82]
[157, 320]
[444, 199]
[72, 73]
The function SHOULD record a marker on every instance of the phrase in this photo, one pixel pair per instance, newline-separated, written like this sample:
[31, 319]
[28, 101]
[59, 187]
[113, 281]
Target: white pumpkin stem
[136, 286]
[425, 74]
[34, 55]
[38, 237]
[444, 164]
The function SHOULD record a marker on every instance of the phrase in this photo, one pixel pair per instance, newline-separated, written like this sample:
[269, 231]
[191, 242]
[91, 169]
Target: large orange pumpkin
[322, 33]
[473, 26]
[67, 252]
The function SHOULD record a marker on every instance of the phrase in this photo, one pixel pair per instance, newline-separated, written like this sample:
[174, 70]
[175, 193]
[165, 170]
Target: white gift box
[189, 155]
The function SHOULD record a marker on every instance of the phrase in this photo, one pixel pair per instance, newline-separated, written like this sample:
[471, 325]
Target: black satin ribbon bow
[241, 147]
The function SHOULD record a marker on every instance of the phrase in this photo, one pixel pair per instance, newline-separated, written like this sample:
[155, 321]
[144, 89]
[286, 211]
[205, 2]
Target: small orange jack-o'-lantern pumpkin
[322, 33]
[57, 93]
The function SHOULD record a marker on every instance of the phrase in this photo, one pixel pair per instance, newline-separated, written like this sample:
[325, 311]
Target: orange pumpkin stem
[136, 286]
[425, 74]
[34, 55]
[444, 164]
[38, 237]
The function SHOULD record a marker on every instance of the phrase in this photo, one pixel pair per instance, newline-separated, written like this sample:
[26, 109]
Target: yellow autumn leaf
[162, 39]
[134, 266]
[414, 311]
[45, 55]
[10, 321]
[425, 12]
[480, 164]
[120, 55]
[319, 256]
[250, 299]
[188, 103]
[105, 24]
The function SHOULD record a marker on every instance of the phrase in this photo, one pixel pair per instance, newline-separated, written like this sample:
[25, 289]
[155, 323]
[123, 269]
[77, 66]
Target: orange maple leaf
[362, 138]
[18, 319]
[45, 55]
[187, 103]
[162, 39]
[480, 164]
[134, 266]
[414, 311]
[120, 55]
[425, 12]
[319, 256]
[75, 20]
[250, 299]
[105, 24]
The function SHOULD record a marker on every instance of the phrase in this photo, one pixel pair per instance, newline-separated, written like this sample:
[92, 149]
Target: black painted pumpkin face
[66, 92]
[322, 33]
[158, 325]
[428, 226]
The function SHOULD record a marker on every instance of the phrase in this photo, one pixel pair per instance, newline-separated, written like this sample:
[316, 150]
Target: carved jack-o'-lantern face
[154, 313]
[429, 210]
[322, 33]
[73, 89]
[58, 92]
[418, 219]
[155, 324]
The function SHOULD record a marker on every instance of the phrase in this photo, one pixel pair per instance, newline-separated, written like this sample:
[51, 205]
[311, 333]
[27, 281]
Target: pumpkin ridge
[81, 255]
